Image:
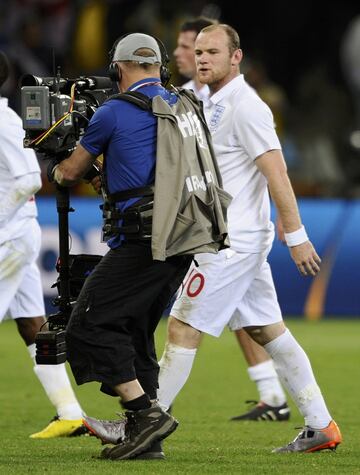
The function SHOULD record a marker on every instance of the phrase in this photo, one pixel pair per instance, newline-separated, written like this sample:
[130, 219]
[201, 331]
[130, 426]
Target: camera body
[55, 111]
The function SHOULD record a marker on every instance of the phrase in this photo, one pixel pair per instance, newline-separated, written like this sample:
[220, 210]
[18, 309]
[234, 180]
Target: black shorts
[110, 336]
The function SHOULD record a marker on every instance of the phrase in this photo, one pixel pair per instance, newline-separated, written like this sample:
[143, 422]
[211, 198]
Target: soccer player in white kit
[235, 287]
[21, 295]
[272, 403]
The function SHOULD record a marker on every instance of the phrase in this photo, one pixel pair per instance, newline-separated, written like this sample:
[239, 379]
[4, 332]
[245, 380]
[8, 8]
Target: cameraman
[110, 336]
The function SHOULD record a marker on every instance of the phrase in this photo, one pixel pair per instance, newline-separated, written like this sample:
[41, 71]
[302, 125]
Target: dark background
[297, 44]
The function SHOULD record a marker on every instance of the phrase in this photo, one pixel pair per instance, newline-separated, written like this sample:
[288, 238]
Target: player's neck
[198, 84]
[216, 86]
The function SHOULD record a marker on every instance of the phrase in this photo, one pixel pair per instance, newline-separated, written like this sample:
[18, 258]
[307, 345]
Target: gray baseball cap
[126, 48]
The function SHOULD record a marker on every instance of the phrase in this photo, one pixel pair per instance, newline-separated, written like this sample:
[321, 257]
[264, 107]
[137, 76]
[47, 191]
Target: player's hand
[306, 259]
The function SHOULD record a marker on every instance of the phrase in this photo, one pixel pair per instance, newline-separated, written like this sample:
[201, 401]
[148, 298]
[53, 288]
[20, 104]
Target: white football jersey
[15, 161]
[242, 128]
[202, 93]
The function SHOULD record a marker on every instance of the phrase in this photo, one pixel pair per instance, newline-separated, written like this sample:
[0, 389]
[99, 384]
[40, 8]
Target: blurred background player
[21, 295]
[272, 403]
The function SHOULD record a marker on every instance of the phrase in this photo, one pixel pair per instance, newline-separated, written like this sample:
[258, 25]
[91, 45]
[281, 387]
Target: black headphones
[115, 73]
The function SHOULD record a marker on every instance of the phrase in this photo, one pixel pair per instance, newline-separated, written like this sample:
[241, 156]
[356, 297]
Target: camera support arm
[63, 301]
[63, 209]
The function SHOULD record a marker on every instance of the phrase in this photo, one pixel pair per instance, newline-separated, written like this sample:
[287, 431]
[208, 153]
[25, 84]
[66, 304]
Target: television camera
[55, 111]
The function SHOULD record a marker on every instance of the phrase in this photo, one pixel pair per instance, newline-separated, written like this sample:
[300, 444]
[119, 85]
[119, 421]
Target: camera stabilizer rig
[55, 114]
[50, 344]
[73, 271]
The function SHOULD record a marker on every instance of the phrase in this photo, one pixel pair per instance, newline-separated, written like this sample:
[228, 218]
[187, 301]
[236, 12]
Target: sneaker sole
[328, 445]
[150, 456]
[168, 428]
[267, 416]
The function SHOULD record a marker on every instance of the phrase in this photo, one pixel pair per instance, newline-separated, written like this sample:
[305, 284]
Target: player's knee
[256, 333]
[264, 334]
[182, 334]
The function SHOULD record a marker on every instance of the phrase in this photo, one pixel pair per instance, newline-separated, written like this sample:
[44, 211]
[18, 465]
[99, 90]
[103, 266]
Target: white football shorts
[227, 288]
[20, 281]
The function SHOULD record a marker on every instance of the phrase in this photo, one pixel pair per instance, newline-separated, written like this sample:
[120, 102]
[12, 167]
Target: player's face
[184, 54]
[214, 63]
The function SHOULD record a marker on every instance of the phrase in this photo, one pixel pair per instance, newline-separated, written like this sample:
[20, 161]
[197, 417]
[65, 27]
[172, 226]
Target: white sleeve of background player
[23, 167]
[19, 160]
[255, 129]
[21, 190]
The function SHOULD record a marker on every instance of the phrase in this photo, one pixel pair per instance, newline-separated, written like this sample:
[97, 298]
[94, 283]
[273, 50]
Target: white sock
[175, 367]
[56, 384]
[267, 382]
[294, 369]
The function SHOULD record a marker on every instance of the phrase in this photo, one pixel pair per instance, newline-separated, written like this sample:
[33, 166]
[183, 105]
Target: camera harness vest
[194, 220]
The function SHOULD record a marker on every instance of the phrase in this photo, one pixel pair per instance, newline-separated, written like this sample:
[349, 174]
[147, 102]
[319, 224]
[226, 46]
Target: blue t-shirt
[126, 135]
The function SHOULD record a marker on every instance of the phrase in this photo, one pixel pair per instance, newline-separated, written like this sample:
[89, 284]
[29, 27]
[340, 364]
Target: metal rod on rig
[63, 208]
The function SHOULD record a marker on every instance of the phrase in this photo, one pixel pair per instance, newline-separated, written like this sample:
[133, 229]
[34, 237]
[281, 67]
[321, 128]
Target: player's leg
[12, 263]
[27, 308]
[271, 404]
[205, 304]
[294, 369]
[177, 360]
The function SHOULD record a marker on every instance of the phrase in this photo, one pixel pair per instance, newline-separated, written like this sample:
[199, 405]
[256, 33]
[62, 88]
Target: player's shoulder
[247, 104]
[11, 125]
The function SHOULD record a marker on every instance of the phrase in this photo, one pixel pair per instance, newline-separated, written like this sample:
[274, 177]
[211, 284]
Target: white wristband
[296, 238]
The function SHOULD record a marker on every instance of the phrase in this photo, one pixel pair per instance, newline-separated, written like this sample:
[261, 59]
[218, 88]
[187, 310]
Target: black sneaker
[142, 429]
[113, 432]
[154, 452]
[264, 412]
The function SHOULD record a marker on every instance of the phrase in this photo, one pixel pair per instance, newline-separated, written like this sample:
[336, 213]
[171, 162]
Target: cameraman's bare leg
[129, 391]
[56, 384]
[177, 360]
[261, 370]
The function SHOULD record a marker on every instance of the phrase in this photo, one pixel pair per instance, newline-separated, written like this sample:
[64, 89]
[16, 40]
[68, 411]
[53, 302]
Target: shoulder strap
[131, 193]
[137, 98]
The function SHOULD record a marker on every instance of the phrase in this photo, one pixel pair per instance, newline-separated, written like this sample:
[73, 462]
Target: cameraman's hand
[94, 176]
[96, 183]
[69, 171]
[94, 172]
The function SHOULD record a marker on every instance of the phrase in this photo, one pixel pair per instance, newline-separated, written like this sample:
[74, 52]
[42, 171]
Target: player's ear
[237, 57]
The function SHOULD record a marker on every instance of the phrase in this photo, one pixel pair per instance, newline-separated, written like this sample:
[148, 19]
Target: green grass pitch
[205, 442]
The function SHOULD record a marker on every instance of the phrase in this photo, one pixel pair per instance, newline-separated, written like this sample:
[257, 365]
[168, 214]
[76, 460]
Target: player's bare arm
[272, 165]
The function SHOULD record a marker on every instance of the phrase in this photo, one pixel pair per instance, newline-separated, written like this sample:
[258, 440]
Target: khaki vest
[189, 215]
